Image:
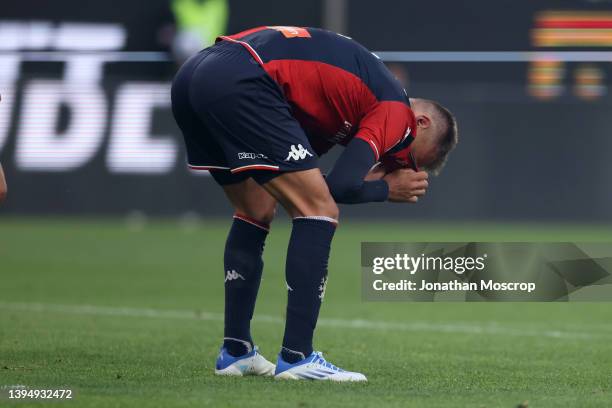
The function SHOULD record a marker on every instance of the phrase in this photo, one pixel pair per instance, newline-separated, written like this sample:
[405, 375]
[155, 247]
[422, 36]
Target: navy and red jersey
[337, 89]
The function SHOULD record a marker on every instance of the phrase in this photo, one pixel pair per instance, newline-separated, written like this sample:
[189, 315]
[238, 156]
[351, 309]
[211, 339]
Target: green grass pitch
[133, 317]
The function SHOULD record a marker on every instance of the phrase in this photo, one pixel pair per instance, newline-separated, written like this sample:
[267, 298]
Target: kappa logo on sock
[233, 275]
[322, 288]
[298, 153]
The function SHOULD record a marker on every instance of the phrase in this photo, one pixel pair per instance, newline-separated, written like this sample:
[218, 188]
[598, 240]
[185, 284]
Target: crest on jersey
[291, 32]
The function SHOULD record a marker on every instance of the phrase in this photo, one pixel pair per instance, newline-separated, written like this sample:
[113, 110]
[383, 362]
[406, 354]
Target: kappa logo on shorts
[247, 155]
[298, 153]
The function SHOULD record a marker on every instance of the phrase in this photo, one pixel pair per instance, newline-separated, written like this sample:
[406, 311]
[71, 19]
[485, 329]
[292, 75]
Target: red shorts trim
[252, 221]
[255, 167]
[206, 168]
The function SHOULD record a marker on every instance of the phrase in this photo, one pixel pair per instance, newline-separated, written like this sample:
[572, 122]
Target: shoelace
[319, 359]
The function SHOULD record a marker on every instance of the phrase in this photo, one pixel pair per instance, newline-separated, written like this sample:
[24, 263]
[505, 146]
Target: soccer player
[3, 188]
[256, 110]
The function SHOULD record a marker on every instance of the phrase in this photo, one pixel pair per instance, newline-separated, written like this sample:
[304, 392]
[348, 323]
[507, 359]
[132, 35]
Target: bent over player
[256, 110]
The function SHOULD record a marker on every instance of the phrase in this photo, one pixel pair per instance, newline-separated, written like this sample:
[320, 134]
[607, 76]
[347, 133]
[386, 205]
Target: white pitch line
[356, 324]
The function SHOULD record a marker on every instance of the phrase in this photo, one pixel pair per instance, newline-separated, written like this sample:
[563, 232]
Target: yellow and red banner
[573, 29]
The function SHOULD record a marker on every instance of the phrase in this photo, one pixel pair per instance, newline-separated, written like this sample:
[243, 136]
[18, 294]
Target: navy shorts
[235, 119]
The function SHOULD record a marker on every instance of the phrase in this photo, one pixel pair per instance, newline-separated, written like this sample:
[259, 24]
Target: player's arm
[383, 131]
[348, 185]
[3, 189]
[346, 181]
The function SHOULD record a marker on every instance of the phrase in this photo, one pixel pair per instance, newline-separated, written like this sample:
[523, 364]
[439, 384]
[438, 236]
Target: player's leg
[305, 196]
[243, 265]
[254, 210]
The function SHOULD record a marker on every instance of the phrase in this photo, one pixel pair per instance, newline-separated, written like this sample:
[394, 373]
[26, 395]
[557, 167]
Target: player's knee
[323, 205]
[261, 213]
[266, 215]
[331, 209]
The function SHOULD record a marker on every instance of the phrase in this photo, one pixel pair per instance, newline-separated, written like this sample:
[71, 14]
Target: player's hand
[406, 185]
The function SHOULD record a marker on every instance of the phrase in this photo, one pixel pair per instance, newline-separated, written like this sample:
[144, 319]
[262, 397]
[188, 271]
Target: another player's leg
[254, 211]
[305, 195]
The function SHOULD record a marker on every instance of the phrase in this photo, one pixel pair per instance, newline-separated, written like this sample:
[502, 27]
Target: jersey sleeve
[386, 126]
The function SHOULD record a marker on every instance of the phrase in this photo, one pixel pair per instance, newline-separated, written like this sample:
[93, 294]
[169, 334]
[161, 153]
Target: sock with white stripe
[306, 275]
[243, 269]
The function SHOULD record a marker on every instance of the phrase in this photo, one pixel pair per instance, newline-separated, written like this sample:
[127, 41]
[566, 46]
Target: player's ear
[423, 121]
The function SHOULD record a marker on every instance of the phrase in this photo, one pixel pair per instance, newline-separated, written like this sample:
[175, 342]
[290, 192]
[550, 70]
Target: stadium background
[110, 268]
[84, 132]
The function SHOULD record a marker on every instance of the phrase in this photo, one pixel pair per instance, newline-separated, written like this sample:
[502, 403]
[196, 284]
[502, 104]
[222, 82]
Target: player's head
[436, 132]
